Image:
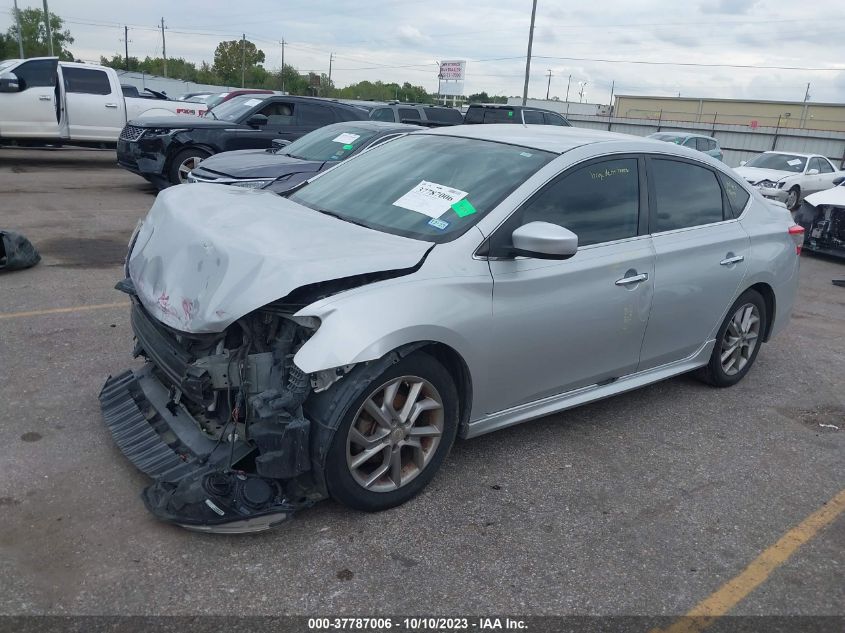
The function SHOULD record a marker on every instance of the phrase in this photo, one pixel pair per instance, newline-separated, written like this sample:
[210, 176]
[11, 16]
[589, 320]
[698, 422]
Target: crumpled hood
[254, 163]
[207, 255]
[834, 197]
[756, 174]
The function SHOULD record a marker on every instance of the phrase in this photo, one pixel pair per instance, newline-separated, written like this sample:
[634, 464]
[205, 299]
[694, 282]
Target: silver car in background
[450, 283]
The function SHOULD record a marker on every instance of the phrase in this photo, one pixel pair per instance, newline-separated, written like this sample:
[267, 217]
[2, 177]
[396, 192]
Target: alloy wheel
[395, 434]
[740, 339]
[791, 199]
[186, 166]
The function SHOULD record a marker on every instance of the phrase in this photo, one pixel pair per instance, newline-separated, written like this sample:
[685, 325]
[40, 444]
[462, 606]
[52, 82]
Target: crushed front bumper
[195, 485]
[773, 193]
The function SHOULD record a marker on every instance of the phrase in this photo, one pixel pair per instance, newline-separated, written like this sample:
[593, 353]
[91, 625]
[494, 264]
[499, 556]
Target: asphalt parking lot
[646, 503]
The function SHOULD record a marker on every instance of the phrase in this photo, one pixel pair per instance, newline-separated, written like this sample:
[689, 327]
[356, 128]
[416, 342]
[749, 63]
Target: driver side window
[36, 73]
[599, 203]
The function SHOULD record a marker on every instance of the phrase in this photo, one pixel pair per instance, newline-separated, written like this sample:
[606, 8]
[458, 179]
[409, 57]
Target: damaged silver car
[450, 283]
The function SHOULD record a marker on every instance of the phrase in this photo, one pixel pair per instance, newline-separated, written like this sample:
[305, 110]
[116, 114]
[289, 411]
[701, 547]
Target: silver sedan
[448, 283]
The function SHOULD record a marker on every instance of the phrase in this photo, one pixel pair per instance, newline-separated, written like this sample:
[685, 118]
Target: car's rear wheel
[793, 198]
[394, 435]
[184, 162]
[738, 341]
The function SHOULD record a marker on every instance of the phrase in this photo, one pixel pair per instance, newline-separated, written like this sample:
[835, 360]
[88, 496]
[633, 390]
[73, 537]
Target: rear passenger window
[599, 203]
[499, 115]
[532, 117]
[555, 119]
[737, 196]
[86, 81]
[311, 114]
[473, 115]
[444, 115]
[383, 114]
[684, 194]
[409, 113]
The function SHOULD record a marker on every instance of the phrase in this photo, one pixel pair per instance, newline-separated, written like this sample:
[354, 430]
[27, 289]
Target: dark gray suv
[500, 113]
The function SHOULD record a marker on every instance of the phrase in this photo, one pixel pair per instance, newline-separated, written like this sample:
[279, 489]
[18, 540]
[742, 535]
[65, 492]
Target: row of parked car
[164, 150]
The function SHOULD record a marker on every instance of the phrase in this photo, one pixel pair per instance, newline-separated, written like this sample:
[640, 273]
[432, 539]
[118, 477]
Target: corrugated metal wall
[738, 142]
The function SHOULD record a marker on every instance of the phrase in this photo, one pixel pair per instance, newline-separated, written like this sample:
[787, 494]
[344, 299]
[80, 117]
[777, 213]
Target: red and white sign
[453, 70]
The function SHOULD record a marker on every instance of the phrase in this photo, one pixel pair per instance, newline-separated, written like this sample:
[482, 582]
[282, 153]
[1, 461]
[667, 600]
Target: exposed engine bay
[824, 228]
[217, 419]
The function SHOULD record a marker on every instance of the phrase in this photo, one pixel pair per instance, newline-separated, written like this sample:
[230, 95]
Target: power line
[693, 64]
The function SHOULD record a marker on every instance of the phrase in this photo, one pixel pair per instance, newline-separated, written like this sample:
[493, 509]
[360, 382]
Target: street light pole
[549, 85]
[528, 58]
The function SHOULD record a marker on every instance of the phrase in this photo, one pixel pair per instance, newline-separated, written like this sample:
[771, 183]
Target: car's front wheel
[793, 198]
[184, 162]
[394, 435]
[737, 341]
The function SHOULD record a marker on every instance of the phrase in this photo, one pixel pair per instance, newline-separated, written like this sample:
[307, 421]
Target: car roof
[543, 137]
[379, 126]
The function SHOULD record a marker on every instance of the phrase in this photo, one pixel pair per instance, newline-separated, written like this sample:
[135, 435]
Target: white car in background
[788, 176]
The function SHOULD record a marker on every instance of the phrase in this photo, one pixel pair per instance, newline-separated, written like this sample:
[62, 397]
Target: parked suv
[165, 150]
[414, 113]
[500, 113]
[706, 144]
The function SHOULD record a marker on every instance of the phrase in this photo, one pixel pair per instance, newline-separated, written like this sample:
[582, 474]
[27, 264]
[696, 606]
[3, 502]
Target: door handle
[45, 98]
[632, 280]
[731, 260]
[111, 105]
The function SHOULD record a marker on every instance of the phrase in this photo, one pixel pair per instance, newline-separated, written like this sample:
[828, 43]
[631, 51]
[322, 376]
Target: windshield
[332, 143]
[214, 100]
[780, 162]
[669, 138]
[8, 63]
[235, 107]
[424, 186]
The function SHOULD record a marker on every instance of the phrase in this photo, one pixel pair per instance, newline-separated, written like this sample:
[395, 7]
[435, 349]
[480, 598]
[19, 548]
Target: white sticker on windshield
[251, 102]
[430, 199]
[794, 162]
[346, 138]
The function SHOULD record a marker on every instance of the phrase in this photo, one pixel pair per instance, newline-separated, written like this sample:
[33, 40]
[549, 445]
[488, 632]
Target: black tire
[173, 172]
[341, 484]
[713, 373]
[797, 202]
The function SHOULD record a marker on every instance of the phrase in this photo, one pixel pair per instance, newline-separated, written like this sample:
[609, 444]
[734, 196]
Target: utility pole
[163, 47]
[583, 85]
[243, 58]
[331, 57]
[47, 25]
[807, 93]
[18, 22]
[528, 58]
[568, 82]
[283, 64]
[612, 86]
[126, 46]
[549, 85]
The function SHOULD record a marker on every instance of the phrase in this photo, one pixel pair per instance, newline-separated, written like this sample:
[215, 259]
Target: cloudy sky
[594, 42]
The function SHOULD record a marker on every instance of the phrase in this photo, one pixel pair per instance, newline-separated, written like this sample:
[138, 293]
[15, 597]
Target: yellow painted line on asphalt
[34, 313]
[726, 597]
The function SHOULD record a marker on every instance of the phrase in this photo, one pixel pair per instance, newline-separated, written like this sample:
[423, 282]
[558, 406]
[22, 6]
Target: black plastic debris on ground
[16, 252]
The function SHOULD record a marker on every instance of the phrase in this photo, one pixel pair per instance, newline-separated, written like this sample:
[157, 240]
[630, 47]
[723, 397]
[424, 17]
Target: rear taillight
[796, 232]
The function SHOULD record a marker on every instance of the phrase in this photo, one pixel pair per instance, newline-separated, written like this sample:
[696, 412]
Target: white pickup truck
[43, 100]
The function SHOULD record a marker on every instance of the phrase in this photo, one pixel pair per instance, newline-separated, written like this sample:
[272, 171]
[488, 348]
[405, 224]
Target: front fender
[367, 323]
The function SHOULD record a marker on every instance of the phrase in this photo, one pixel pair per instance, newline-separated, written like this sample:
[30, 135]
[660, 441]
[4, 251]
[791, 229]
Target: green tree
[8, 47]
[34, 34]
[119, 63]
[231, 56]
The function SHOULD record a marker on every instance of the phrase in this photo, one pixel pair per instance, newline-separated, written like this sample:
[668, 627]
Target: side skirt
[584, 395]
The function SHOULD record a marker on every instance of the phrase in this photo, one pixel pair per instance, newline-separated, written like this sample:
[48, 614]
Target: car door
[94, 111]
[281, 123]
[700, 251]
[827, 174]
[562, 325]
[35, 110]
[812, 177]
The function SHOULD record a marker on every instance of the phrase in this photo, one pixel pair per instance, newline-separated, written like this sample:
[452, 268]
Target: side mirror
[743, 163]
[257, 120]
[279, 143]
[9, 82]
[812, 172]
[544, 240]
